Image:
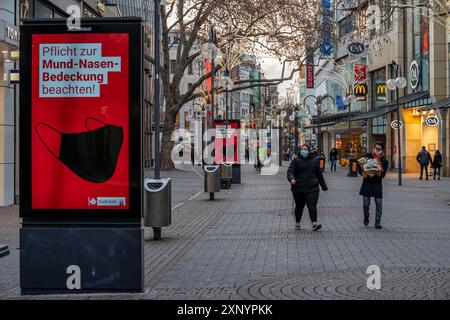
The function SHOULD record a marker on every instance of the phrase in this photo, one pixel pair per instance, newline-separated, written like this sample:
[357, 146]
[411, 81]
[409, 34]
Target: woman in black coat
[372, 185]
[305, 176]
[437, 165]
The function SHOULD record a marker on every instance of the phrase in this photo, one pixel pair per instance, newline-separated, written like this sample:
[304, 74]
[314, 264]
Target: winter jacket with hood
[307, 174]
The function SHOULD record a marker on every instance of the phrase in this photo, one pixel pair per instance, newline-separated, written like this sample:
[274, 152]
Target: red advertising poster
[360, 73]
[226, 141]
[80, 121]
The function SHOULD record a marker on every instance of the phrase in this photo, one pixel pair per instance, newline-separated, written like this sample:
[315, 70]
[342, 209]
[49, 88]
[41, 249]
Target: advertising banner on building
[78, 118]
[309, 68]
[360, 71]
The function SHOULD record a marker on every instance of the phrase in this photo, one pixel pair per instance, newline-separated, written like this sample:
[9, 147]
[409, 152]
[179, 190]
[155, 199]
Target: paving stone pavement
[244, 245]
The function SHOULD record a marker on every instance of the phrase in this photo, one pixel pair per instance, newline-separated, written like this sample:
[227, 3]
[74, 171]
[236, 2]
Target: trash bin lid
[155, 185]
[211, 168]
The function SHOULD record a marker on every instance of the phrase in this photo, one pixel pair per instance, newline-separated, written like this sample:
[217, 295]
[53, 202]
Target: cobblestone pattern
[244, 245]
[396, 284]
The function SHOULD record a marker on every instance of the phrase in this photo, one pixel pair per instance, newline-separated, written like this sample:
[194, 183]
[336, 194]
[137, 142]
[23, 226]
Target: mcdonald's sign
[360, 91]
[381, 92]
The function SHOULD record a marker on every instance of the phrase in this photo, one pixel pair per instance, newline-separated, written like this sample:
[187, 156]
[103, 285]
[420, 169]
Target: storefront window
[379, 125]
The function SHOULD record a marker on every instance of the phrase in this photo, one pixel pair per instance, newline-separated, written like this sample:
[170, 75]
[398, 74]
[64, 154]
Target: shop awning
[441, 104]
[374, 113]
[323, 125]
[408, 100]
[335, 117]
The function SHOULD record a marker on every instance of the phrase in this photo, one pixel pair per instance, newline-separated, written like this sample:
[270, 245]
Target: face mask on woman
[304, 153]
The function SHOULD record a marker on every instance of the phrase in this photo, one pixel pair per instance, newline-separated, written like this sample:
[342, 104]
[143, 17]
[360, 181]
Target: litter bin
[226, 174]
[157, 204]
[212, 180]
[353, 167]
[322, 161]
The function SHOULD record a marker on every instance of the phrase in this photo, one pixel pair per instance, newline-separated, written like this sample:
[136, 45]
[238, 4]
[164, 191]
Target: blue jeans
[333, 165]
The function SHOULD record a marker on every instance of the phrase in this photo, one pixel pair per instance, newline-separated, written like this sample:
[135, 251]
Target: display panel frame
[133, 214]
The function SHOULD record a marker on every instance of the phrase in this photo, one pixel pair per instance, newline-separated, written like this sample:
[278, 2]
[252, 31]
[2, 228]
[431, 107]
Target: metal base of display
[236, 179]
[72, 260]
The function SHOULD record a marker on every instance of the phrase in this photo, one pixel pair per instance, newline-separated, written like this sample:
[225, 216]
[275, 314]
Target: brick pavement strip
[244, 245]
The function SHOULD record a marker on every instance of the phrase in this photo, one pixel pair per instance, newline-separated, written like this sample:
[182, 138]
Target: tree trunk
[167, 144]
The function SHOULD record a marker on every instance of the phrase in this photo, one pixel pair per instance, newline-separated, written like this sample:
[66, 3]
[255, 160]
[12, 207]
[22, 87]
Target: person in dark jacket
[437, 165]
[305, 177]
[372, 185]
[333, 159]
[424, 159]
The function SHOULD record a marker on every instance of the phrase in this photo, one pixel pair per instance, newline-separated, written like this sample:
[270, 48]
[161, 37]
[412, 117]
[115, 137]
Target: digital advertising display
[79, 117]
[226, 141]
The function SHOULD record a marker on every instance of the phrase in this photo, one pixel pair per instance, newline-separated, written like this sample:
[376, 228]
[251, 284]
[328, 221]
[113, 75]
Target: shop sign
[432, 121]
[360, 91]
[381, 92]
[414, 74]
[394, 124]
[356, 48]
[309, 69]
[326, 47]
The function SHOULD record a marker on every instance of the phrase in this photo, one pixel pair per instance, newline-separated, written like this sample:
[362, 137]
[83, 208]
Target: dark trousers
[333, 165]
[437, 172]
[378, 205]
[308, 199]
[424, 167]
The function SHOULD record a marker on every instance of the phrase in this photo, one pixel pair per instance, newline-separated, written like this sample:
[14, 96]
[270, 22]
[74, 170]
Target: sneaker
[297, 225]
[317, 227]
[434, 178]
[378, 225]
[439, 178]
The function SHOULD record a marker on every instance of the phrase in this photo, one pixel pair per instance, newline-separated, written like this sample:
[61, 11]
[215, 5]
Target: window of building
[346, 25]
[378, 87]
[379, 125]
[173, 66]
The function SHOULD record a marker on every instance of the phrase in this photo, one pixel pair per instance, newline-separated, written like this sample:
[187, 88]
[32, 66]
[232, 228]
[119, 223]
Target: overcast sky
[273, 68]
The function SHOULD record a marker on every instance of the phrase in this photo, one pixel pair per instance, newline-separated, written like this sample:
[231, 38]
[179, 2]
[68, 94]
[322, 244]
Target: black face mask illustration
[91, 155]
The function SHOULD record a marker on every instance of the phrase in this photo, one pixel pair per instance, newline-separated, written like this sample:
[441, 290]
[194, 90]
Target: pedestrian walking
[372, 185]
[305, 177]
[424, 159]
[333, 159]
[437, 165]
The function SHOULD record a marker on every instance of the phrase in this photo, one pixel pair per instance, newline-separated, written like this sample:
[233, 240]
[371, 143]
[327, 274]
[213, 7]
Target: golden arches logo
[381, 89]
[361, 89]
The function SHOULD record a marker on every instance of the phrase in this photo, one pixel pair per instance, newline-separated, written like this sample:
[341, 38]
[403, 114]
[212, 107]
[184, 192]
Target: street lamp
[211, 52]
[319, 100]
[396, 84]
[348, 103]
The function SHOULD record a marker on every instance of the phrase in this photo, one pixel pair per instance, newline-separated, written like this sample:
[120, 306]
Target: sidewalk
[244, 246]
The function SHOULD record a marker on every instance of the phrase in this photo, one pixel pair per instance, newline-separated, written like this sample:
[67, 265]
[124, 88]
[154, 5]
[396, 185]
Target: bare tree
[280, 28]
